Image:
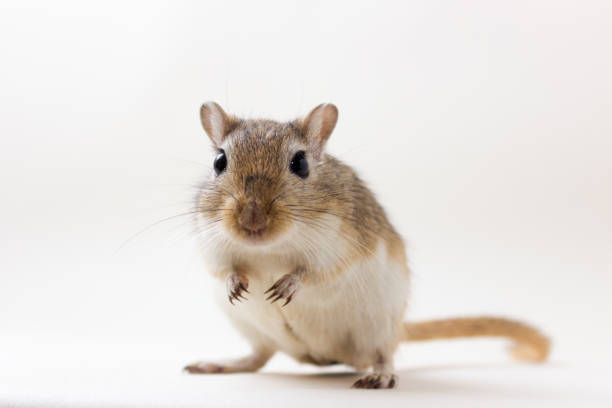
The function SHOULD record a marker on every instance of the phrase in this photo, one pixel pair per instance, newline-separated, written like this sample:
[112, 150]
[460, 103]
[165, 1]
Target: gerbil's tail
[530, 344]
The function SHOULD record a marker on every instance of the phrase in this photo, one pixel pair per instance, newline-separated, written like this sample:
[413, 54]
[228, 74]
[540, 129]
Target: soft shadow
[419, 381]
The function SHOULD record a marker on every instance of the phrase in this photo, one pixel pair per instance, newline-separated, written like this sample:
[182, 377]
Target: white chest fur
[349, 318]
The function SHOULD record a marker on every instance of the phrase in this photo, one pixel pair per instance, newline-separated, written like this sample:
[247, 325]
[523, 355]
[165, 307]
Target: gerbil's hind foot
[202, 367]
[376, 381]
[248, 364]
[381, 376]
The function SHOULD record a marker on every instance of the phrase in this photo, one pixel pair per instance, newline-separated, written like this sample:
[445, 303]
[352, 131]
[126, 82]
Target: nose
[253, 217]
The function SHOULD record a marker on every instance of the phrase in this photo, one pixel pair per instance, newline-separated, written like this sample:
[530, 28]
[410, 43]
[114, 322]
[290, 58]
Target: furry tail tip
[529, 343]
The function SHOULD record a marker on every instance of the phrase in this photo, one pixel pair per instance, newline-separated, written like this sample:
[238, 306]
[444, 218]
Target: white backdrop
[484, 127]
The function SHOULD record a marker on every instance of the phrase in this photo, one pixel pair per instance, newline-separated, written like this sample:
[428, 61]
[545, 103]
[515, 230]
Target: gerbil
[296, 232]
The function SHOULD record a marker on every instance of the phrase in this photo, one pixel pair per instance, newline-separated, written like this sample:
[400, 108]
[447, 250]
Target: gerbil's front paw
[284, 288]
[236, 286]
[376, 380]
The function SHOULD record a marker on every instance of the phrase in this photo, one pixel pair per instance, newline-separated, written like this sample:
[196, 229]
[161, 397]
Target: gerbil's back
[344, 194]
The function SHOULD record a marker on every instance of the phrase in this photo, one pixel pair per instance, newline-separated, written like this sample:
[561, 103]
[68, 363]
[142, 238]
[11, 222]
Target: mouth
[255, 235]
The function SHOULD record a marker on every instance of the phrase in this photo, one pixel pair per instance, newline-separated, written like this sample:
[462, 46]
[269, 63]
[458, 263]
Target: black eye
[220, 162]
[299, 164]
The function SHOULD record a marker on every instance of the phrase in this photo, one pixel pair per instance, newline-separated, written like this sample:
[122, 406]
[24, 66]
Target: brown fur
[258, 154]
[262, 148]
[257, 199]
[530, 343]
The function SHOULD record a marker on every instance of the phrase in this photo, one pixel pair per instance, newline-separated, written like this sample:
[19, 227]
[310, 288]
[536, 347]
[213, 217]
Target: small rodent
[309, 262]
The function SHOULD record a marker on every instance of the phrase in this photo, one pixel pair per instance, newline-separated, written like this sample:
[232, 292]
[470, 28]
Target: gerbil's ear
[216, 122]
[319, 125]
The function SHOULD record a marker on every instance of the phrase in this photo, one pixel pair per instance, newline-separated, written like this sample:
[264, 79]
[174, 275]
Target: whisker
[132, 237]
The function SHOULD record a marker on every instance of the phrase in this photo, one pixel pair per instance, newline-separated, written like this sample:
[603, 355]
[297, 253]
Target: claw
[236, 287]
[284, 288]
[375, 381]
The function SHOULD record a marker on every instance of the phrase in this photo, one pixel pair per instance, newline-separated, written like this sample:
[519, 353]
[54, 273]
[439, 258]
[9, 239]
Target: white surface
[133, 376]
[484, 128]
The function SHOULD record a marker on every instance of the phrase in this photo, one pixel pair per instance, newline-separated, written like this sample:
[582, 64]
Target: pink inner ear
[320, 123]
[215, 121]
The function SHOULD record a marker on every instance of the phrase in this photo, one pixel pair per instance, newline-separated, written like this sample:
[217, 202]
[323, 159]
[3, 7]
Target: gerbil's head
[264, 174]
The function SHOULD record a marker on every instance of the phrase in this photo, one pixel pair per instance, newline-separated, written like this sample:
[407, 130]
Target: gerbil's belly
[352, 319]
